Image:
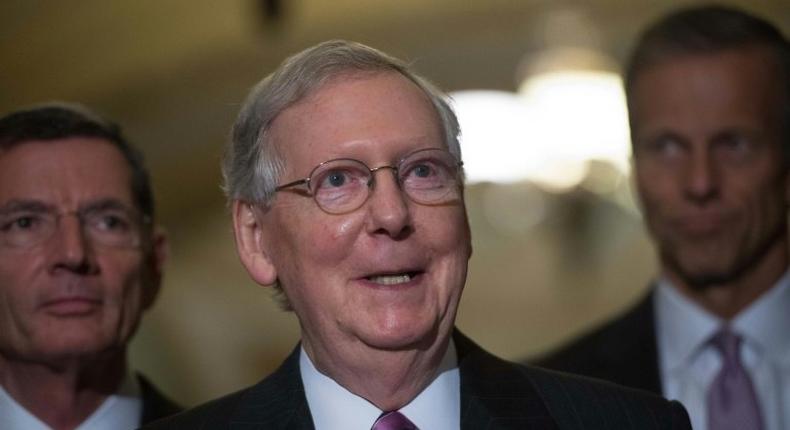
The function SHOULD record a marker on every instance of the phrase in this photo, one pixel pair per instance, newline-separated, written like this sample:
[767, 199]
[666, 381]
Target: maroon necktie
[732, 402]
[393, 421]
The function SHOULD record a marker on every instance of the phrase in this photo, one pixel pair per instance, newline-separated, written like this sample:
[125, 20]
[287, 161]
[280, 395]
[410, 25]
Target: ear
[249, 243]
[156, 259]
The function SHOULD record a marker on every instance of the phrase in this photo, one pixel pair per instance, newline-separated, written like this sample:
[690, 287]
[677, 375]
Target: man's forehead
[345, 84]
[64, 171]
[733, 82]
[762, 60]
[383, 109]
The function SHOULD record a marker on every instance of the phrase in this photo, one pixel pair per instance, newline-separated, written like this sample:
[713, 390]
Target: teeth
[390, 279]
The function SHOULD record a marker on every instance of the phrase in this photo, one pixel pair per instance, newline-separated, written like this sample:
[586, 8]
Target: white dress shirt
[120, 411]
[437, 407]
[688, 363]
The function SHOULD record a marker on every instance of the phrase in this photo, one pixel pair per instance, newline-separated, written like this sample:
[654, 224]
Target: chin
[69, 347]
[400, 336]
[701, 274]
[703, 278]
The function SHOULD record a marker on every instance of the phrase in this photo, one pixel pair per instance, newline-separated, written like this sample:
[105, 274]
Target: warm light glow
[581, 114]
[549, 132]
[493, 136]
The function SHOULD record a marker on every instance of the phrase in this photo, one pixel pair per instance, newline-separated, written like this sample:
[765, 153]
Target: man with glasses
[345, 180]
[80, 261]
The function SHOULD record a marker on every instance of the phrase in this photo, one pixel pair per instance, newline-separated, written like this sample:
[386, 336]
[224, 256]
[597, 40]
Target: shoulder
[273, 402]
[214, 414]
[493, 387]
[581, 402]
[629, 334]
[155, 404]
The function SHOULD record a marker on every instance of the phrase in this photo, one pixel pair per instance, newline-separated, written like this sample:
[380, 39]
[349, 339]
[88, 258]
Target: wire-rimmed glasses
[427, 176]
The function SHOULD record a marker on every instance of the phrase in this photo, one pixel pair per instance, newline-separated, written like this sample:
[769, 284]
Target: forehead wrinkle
[359, 148]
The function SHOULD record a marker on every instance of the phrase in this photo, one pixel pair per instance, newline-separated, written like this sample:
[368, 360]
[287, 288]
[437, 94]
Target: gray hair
[252, 166]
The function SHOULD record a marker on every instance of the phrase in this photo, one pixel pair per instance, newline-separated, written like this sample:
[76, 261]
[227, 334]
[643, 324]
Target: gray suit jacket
[495, 394]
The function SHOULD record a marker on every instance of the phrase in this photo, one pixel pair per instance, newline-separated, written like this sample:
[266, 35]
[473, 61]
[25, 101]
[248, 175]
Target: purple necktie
[732, 402]
[393, 421]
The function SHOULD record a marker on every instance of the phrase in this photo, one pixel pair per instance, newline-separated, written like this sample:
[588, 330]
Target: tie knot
[728, 344]
[393, 420]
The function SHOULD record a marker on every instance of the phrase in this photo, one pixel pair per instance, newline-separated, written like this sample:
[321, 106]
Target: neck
[62, 395]
[388, 379]
[727, 299]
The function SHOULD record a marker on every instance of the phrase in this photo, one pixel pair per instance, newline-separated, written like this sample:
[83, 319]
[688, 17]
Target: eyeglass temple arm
[291, 184]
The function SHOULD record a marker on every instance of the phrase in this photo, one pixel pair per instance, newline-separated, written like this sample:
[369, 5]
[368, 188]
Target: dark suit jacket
[623, 351]
[495, 394]
[155, 404]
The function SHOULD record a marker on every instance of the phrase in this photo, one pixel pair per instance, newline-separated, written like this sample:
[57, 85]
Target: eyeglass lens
[427, 176]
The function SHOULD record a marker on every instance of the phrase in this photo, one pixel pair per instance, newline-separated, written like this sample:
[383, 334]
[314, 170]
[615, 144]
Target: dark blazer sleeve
[623, 350]
[497, 394]
[583, 403]
[277, 402]
[155, 404]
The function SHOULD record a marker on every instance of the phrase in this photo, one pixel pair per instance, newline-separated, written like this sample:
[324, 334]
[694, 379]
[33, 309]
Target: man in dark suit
[80, 261]
[709, 99]
[346, 184]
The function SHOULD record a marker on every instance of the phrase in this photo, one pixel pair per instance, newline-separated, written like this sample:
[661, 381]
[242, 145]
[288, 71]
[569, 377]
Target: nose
[388, 206]
[72, 248]
[702, 179]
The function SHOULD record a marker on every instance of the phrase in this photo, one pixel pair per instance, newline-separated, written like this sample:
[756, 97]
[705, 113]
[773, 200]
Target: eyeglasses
[114, 227]
[427, 176]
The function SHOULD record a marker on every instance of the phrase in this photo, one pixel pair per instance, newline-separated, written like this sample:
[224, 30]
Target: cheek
[334, 236]
[447, 236]
[344, 229]
[766, 203]
[124, 286]
[18, 278]
[314, 246]
[654, 192]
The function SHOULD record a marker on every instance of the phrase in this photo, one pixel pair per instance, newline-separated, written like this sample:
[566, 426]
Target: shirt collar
[683, 327]
[438, 406]
[764, 322]
[120, 410]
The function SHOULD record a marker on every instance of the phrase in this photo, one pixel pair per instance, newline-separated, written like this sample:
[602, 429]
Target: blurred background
[558, 242]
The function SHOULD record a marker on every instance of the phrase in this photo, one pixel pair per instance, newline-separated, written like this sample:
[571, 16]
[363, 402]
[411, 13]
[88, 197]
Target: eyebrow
[37, 206]
[21, 205]
[105, 204]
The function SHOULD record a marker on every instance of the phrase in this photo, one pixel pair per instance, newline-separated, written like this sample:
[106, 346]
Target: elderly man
[347, 192]
[709, 98]
[79, 263]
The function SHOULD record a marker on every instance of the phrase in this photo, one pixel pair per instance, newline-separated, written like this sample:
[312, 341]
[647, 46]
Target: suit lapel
[494, 394]
[276, 402]
[630, 351]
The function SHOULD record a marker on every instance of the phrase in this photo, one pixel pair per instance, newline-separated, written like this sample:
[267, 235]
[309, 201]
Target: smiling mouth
[392, 279]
